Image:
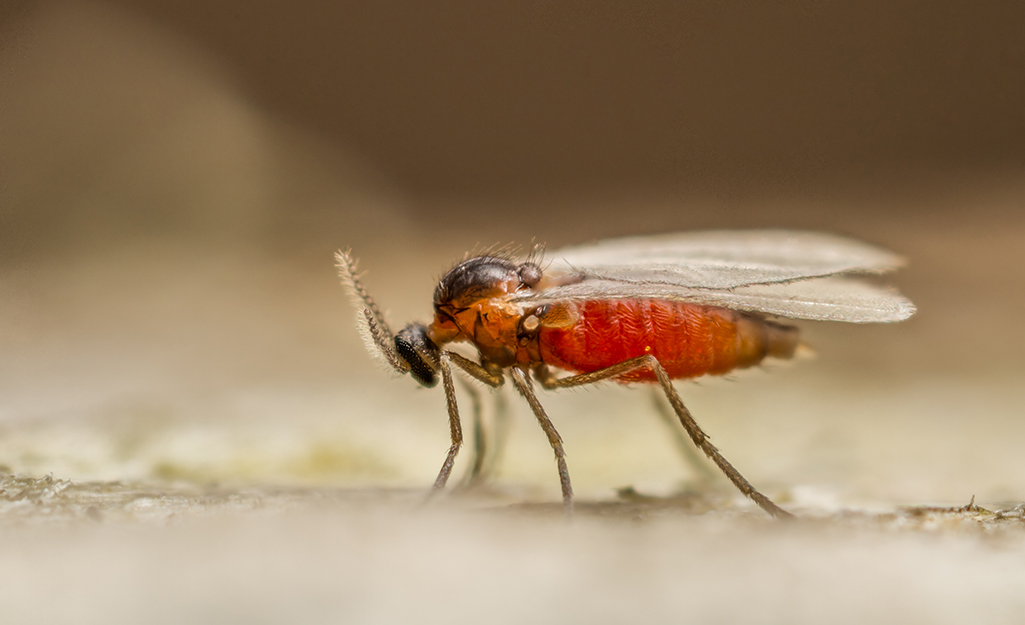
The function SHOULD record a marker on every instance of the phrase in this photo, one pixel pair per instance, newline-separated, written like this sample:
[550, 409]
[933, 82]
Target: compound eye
[413, 347]
[530, 274]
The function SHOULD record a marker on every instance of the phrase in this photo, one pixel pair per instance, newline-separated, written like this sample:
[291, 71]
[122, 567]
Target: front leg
[488, 375]
[455, 427]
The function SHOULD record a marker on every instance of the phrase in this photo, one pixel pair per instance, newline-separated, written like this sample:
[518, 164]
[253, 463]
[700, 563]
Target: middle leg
[523, 385]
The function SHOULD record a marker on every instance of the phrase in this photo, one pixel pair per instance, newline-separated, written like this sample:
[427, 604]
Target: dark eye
[413, 346]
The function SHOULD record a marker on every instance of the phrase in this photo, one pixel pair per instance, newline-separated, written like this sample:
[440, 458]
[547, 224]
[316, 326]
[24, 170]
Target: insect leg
[550, 381]
[488, 375]
[701, 440]
[480, 444]
[690, 456]
[526, 388]
[500, 434]
[456, 429]
[697, 435]
[489, 435]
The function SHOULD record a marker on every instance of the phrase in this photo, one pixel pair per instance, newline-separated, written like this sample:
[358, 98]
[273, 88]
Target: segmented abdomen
[689, 340]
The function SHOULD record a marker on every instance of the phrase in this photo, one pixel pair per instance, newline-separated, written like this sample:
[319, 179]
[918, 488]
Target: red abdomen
[689, 340]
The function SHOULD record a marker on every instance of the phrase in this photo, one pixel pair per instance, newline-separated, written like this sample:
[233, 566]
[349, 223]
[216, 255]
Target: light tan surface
[365, 556]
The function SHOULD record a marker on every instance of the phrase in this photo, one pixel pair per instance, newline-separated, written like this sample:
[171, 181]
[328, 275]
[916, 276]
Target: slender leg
[548, 380]
[455, 427]
[480, 443]
[524, 386]
[687, 451]
[489, 436]
[490, 375]
[500, 435]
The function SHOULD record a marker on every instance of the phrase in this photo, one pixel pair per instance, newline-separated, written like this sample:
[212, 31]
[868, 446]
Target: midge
[645, 309]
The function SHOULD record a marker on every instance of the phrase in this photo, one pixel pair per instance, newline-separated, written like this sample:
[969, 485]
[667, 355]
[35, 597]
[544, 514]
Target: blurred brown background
[459, 105]
[471, 100]
[176, 175]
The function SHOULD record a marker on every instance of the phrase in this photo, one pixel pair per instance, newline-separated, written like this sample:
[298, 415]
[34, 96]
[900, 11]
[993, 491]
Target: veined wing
[822, 299]
[723, 259]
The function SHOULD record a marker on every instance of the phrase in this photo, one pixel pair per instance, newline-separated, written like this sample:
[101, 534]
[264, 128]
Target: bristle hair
[370, 321]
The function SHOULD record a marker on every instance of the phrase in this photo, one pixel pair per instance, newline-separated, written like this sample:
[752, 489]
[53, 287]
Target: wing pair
[800, 275]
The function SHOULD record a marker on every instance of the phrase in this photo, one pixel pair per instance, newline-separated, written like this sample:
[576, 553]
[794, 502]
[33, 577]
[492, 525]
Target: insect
[631, 310]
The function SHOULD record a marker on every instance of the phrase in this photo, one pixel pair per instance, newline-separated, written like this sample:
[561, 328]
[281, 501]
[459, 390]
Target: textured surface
[116, 554]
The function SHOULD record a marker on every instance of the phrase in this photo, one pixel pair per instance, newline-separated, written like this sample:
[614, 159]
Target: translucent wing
[801, 275]
[821, 299]
[724, 259]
